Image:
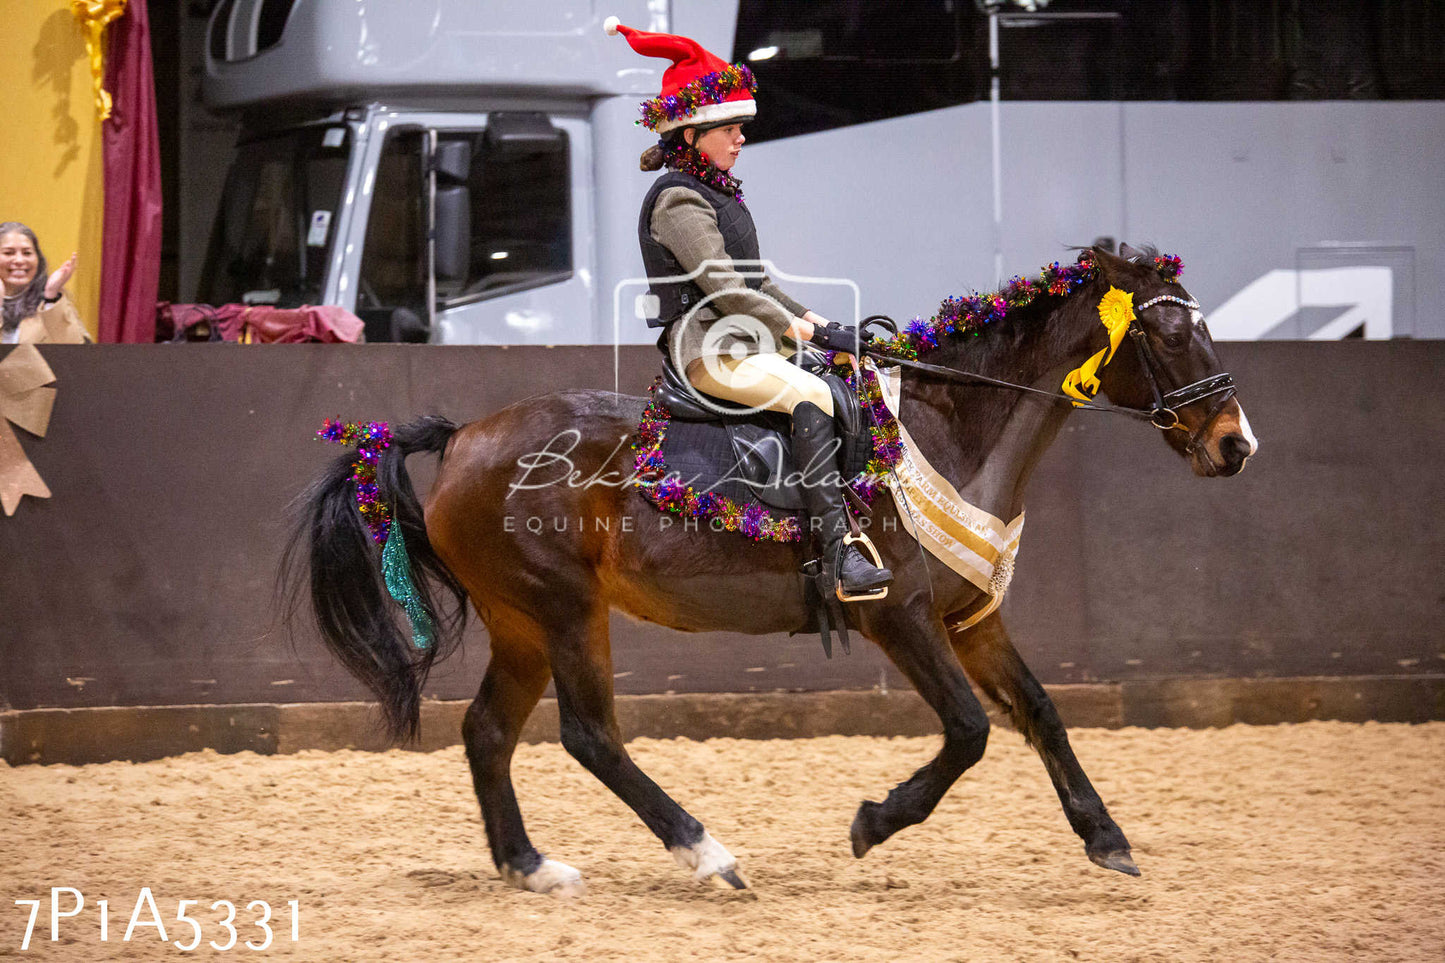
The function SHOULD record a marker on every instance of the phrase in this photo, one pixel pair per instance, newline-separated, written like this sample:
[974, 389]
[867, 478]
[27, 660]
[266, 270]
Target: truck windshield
[274, 230]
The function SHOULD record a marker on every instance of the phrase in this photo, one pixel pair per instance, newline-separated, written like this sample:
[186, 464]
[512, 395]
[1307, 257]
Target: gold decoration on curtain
[94, 16]
[25, 401]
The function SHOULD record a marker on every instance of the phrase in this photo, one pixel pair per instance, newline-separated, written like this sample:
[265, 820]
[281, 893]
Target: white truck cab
[465, 171]
[432, 166]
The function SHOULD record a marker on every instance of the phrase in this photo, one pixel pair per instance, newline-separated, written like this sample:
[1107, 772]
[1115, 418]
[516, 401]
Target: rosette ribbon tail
[27, 403]
[396, 571]
[1116, 311]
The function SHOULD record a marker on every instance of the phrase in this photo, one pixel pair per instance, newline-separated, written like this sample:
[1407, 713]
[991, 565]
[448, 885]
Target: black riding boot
[815, 450]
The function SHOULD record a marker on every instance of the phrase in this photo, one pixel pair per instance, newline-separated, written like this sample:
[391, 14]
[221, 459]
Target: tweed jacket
[57, 323]
[686, 224]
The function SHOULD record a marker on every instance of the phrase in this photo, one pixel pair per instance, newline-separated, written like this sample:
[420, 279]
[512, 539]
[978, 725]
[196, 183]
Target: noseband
[1165, 415]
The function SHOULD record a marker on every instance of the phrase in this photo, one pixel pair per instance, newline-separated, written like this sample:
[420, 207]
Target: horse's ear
[1112, 267]
[1130, 254]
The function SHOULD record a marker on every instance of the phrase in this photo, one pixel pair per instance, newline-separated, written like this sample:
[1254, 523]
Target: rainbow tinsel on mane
[969, 315]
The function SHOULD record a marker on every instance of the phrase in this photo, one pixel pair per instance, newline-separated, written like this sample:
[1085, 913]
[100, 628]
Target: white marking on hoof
[552, 878]
[708, 859]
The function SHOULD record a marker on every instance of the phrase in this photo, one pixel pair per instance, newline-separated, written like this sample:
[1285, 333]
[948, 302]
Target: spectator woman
[37, 309]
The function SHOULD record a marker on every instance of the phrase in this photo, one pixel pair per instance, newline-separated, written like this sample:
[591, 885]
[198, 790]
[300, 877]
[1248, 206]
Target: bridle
[1164, 415]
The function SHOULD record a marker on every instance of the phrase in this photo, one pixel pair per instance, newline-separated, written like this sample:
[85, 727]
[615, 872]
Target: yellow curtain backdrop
[51, 157]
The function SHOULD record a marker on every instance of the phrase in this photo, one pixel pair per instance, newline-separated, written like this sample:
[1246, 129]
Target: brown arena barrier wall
[1309, 586]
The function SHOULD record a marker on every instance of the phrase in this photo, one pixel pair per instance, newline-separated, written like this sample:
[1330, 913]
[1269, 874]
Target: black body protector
[734, 222]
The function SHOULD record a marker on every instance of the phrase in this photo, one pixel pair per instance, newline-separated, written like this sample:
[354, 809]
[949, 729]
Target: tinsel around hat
[699, 87]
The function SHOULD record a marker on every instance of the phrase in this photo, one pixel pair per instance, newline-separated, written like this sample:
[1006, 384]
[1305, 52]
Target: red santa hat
[699, 88]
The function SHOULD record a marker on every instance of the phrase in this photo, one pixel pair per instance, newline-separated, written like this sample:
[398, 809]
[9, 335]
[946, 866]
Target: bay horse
[545, 596]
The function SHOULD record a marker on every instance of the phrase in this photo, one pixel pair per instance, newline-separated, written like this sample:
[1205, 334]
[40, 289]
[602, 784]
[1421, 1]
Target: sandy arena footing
[1313, 842]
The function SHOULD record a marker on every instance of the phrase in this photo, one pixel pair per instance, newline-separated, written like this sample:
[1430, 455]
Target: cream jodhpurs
[767, 381]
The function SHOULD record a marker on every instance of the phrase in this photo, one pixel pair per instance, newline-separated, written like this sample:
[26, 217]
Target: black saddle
[747, 455]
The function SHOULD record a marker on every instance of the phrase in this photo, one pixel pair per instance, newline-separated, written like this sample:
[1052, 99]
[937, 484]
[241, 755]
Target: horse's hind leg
[991, 660]
[515, 680]
[581, 655]
[916, 642]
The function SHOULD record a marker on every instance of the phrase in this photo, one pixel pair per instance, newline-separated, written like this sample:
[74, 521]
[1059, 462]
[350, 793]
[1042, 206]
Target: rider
[695, 214]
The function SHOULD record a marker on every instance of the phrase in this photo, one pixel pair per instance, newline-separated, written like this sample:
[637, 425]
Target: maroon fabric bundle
[237, 322]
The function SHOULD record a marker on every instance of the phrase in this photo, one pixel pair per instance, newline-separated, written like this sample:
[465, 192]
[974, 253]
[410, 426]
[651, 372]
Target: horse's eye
[1175, 340]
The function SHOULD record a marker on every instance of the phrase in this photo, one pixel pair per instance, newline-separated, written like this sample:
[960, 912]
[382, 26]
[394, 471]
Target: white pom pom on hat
[610, 25]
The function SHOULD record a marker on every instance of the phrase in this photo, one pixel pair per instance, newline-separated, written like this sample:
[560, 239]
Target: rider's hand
[837, 337]
[58, 277]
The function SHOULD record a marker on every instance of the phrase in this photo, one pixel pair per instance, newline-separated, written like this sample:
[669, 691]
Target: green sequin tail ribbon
[396, 570]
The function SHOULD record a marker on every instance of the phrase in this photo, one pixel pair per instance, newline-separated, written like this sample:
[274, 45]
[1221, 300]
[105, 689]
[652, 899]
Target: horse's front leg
[915, 640]
[991, 660]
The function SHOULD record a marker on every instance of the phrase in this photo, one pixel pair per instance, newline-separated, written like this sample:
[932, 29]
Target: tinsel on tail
[396, 571]
[370, 439]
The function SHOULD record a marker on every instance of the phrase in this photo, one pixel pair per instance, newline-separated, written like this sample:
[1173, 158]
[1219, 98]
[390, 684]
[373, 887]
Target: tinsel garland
[1169, 267]
[713, 88]
[969, 315]
[370, 439]
[670, 495]
[682, 158]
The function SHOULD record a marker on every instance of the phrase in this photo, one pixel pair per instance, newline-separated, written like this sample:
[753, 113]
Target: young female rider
[725, 329]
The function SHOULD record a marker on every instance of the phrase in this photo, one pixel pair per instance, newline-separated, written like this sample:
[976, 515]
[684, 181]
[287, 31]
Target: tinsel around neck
[969, 315]
[678, 156]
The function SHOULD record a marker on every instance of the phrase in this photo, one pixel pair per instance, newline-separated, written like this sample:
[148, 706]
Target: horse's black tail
[356, 617]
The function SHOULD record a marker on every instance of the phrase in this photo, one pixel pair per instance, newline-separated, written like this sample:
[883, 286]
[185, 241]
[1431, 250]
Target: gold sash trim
[24, 401]
[970, 541]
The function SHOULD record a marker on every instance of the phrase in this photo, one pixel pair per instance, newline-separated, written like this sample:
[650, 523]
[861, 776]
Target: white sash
[970, 541]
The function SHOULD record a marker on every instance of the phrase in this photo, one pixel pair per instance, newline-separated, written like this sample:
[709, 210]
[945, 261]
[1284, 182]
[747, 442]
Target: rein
[1163, 415]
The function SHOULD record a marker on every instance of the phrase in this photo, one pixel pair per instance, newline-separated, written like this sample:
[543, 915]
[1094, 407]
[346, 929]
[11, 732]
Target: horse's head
[1172, 368]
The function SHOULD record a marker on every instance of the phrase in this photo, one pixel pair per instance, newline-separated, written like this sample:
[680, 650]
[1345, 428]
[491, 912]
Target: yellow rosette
[1116, 310]
[94, 16]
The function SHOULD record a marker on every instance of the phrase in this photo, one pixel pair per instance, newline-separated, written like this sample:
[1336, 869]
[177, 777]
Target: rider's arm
[686, 225]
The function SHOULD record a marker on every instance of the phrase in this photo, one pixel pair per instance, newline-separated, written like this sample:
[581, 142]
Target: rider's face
[721, 145]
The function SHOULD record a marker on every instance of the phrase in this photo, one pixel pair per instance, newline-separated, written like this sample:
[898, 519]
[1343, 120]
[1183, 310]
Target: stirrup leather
[867, 546]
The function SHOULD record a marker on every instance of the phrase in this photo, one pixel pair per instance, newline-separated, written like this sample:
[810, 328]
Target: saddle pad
[737, 470]
[702, 455]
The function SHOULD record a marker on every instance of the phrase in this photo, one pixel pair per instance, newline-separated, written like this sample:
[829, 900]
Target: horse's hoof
[729, 879]
[862, 839]
[710, 863]
[552, 878]
[1119, 860]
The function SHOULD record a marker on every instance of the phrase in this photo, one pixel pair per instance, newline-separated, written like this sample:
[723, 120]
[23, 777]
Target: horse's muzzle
[1233, 450]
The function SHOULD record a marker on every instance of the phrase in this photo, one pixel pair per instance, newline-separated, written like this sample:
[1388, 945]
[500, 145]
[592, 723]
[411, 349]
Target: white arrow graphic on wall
[1364, 295]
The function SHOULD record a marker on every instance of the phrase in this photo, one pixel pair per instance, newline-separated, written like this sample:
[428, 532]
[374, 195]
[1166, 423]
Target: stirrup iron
[867, 545]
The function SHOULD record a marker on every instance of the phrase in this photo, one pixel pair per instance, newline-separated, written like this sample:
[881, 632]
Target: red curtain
[131, 237]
